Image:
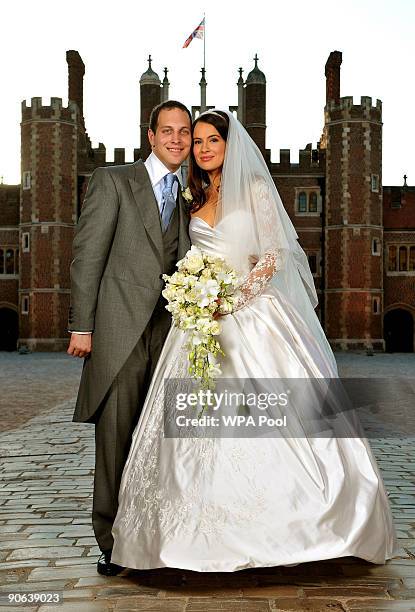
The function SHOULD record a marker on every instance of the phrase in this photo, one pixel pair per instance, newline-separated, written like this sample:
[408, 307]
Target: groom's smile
[171, 140]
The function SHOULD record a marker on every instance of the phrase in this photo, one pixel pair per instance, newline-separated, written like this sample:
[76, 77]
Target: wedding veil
[251, 221]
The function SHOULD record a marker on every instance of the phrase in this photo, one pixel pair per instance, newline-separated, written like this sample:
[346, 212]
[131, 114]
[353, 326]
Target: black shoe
[105, 567]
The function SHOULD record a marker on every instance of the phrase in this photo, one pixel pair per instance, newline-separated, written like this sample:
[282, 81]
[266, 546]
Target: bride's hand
[217, 314]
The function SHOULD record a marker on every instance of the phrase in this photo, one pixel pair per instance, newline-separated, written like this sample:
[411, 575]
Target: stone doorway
[398, 325]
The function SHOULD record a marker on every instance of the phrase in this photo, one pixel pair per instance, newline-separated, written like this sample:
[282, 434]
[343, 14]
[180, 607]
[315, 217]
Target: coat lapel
[147, 204]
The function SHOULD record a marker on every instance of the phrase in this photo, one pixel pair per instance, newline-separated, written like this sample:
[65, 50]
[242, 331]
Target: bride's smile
[208, 148]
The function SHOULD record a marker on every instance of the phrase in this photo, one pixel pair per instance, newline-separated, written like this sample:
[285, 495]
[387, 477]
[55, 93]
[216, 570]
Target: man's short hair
[168, 104]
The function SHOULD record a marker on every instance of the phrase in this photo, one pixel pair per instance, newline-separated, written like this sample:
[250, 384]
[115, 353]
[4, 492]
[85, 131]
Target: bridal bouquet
[193, 293]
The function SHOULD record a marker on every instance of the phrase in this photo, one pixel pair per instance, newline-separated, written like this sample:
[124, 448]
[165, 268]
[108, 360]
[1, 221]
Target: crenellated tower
[353, 224]
[48, 213]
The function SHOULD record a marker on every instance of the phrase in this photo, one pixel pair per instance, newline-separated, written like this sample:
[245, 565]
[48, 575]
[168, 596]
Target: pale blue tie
[168, 201]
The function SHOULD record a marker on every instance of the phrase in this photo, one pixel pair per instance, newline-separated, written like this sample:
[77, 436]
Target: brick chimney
[332, 72]
[76, 71]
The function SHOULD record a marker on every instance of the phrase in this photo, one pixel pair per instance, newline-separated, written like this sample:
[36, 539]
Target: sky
[293, 41]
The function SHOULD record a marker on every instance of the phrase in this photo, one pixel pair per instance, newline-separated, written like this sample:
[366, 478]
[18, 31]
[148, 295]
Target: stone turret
[255, 105]
[150, 96]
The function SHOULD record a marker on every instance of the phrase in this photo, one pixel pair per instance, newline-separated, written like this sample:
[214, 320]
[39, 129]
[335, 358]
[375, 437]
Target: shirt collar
[157, 170]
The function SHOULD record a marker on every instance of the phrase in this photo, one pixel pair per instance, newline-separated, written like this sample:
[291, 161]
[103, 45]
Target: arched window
[392, 258]
[312, 205]
[403, 258]
[412, 258]
[9, 261]
[302, 202]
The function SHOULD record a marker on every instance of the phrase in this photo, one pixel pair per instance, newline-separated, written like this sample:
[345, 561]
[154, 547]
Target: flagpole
[204, 42]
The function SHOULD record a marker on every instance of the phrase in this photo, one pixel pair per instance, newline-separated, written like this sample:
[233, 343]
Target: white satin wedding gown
[228, 504]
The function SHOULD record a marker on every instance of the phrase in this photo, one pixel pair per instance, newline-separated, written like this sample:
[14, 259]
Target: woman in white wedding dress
[226, 504]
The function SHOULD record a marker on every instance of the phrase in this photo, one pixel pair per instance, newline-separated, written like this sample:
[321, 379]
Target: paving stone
[47, 552]
[227, 605]
[42, 521]
[86, 542]
[337, 591]
[82, 594]
[78, 530]
[272, 591]
[32, 586]
[10, 528]
[203, 591]
[59, 573]
[94, 579]
[114, 591]
[318, 605]
[42, 529]
[26, 563]
[43, 535]
[30, 543]
[375, 605]
[75, 561]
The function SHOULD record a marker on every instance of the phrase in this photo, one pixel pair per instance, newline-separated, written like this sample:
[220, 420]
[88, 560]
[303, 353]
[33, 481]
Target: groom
[133, 228]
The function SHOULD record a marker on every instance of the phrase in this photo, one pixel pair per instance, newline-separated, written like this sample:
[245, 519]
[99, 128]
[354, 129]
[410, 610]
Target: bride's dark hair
[198, 178]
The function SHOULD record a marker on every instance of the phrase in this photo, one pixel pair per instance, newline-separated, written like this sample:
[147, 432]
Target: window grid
[307, 201]
[400, 258]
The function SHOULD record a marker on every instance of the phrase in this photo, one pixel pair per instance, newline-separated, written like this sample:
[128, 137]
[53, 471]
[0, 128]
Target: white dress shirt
[156, 171]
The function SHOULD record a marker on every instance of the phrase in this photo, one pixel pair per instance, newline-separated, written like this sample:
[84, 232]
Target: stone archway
[9, 329]
[398, 326]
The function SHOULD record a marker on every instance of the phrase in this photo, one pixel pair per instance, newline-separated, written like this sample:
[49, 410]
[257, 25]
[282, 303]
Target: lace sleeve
[258, 279]
[273, 257]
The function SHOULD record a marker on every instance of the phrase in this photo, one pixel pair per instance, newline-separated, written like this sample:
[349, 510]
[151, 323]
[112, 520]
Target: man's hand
[80, 345]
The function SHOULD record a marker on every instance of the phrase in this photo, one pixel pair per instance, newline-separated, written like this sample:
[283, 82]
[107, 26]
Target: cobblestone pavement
[47, 542]
[33, 383]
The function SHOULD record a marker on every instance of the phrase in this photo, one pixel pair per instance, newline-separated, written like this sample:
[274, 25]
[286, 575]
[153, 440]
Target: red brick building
[359, 236]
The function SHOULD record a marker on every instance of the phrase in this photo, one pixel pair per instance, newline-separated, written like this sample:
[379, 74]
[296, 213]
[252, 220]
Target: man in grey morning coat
[133, 228]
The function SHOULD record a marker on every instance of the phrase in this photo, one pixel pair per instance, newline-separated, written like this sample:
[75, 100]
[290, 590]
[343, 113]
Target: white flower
[187, 195]
[194, 260]
[215, 328]
[225, 277]
[197, 338]
[208, 292]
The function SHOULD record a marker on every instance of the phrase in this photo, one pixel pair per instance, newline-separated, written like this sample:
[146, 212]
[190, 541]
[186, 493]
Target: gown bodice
[206, 238]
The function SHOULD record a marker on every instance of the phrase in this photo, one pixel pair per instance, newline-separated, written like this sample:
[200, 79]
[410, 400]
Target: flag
[199, 32]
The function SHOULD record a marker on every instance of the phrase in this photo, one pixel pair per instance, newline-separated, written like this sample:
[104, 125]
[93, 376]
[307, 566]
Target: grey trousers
[118, 416]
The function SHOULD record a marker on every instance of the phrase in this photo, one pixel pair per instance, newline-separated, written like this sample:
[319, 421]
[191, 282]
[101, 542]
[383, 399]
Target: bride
[225, 504]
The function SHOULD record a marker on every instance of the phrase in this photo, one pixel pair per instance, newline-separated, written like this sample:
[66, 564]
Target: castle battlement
[99, 156]
[55, 110]
[309, 159]
[346, 103]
